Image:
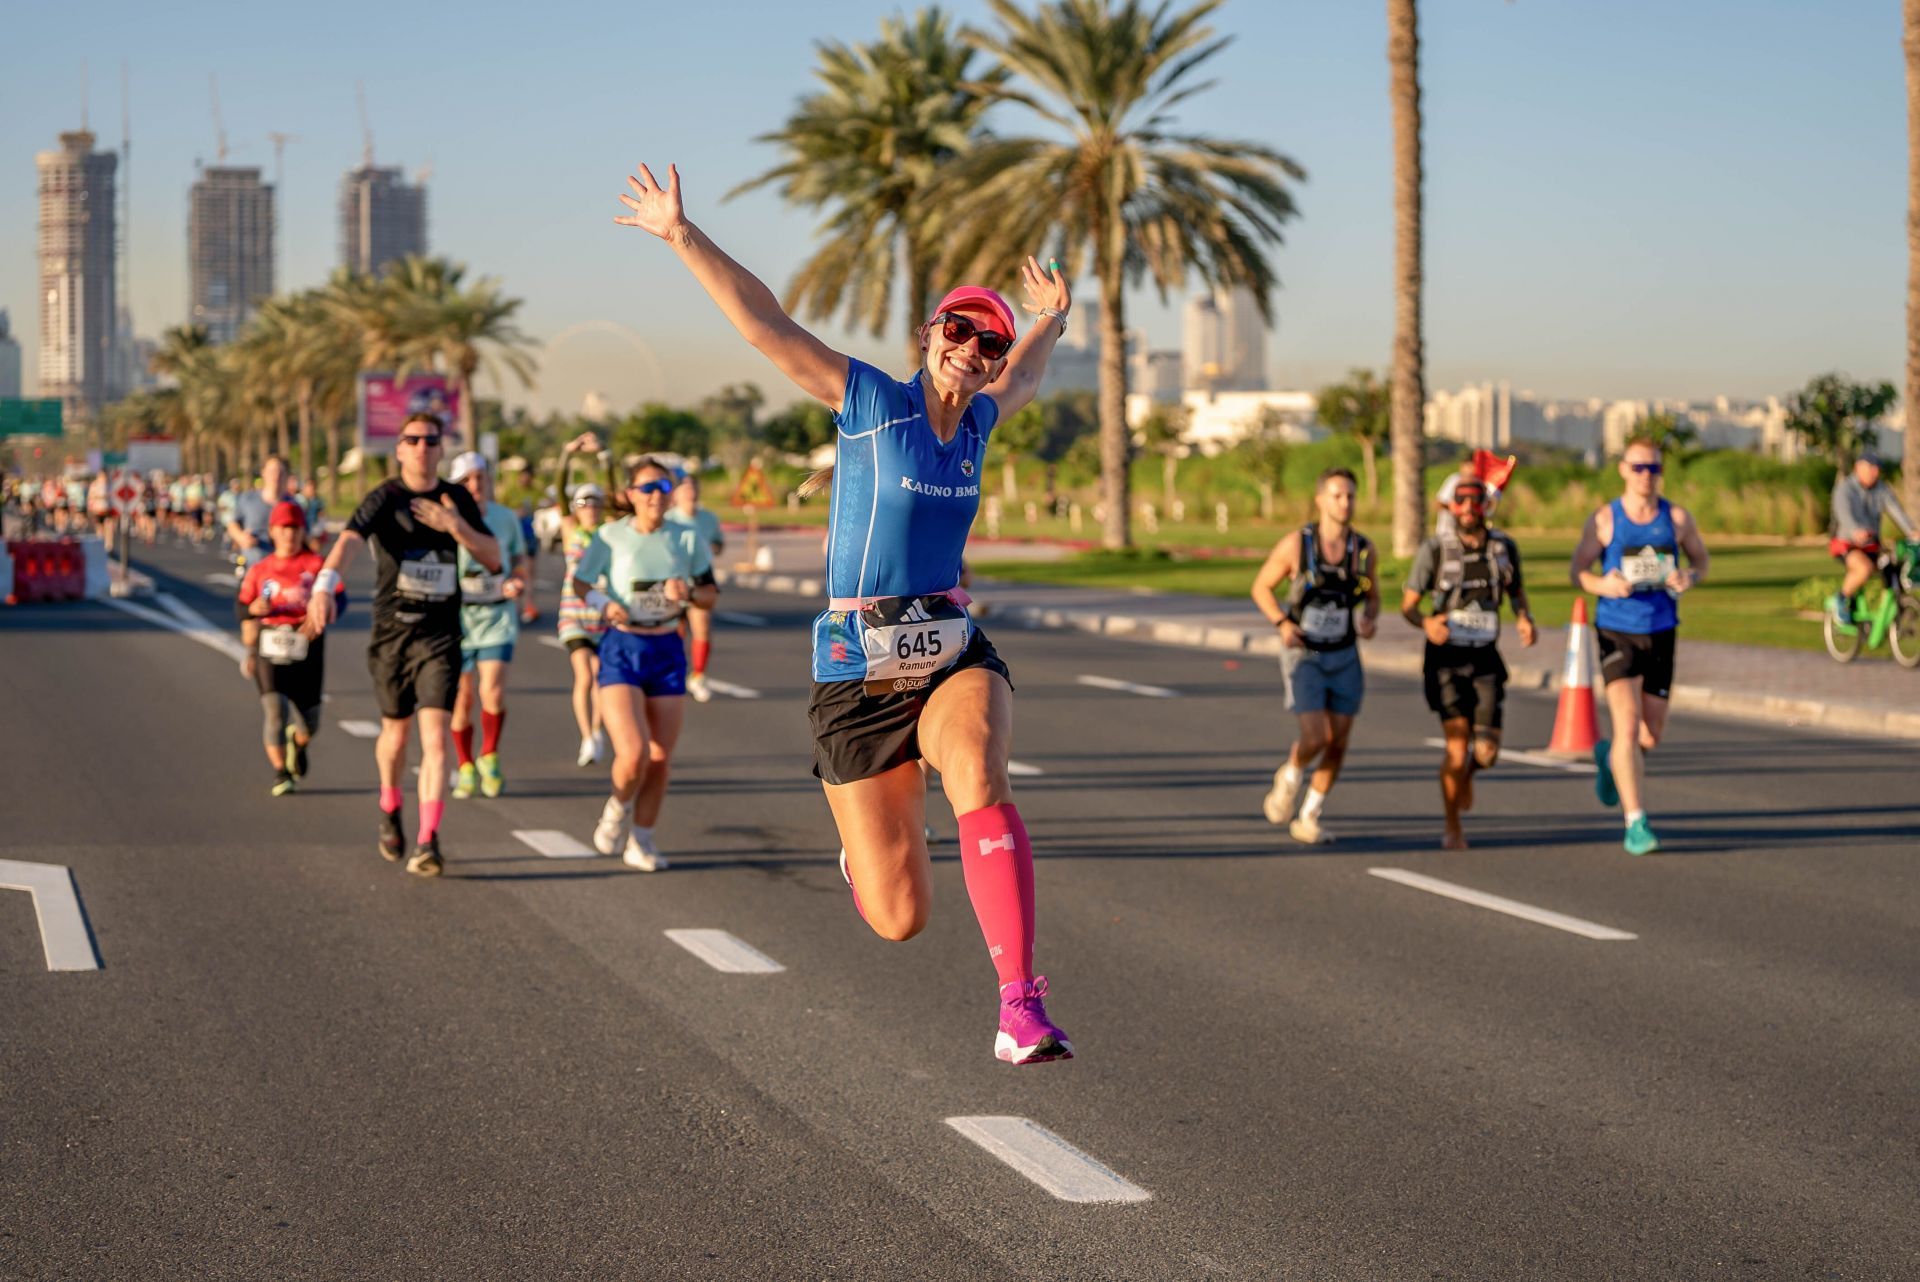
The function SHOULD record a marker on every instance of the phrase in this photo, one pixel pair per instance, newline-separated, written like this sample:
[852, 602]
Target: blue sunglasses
[653, 487]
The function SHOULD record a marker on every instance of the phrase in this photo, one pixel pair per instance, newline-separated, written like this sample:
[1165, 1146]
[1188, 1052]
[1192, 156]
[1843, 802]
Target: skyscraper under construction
[78, 256]
[383, 218]
[229, 248]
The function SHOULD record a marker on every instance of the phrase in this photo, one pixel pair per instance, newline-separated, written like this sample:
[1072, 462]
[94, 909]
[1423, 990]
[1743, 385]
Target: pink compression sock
[430, 812]
[389, 799]
[997, 859]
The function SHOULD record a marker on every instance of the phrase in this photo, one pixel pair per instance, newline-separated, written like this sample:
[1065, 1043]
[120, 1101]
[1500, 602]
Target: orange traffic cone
[1575, 726]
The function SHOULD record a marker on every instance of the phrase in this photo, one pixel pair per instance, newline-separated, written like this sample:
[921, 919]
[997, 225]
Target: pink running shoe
[1026, 1035]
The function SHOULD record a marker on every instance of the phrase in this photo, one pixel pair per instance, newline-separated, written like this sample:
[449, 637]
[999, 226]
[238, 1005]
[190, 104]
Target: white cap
[466, 465]
[588, 491]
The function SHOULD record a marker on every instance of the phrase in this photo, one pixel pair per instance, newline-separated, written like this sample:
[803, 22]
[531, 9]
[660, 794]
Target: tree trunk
[333, 461]
[280, 430]
[1910, 471]
[1116, 442]
[306, 429]
[1409, 356]
[1009, 479]
[463, 390]
[919, 304]
[1367, 448]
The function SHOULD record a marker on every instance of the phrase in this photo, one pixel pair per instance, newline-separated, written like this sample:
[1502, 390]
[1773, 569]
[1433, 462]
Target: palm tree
[1359, 408]
[441, 323]
[1409, 348]
[1910, 471]
[870, 147]
[1121, 193]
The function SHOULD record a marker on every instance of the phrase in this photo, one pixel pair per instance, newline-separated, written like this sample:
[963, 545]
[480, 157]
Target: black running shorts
[1467, 681]
[857, 735]
[1647, 655]
[299, 682]
[413, 669]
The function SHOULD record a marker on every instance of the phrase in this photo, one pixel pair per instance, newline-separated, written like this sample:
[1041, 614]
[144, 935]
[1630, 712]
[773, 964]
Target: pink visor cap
[980, 297]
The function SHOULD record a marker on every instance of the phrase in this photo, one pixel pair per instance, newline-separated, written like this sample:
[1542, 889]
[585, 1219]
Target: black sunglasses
[1651, 469]
[428, 441]
[957, 329]
[652, 487]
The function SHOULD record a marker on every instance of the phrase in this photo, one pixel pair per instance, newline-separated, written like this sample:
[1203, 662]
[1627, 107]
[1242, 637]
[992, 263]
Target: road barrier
[1575, 725]
[46, 571]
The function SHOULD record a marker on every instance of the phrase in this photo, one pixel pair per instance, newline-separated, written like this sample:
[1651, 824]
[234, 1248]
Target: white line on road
[731, 690]
[724, 952]
[1020, 768]
[555, 642]
[198, 629]
[1532, 758]
[222, 580]
[1128, 687]
[56, 902]
[746, 620]
[554, 844]
[361, 729]
[1047, 1160]
[1511, 907]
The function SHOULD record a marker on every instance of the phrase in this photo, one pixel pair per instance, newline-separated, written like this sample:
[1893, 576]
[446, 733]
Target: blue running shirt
[903, 503]
[1645, 554]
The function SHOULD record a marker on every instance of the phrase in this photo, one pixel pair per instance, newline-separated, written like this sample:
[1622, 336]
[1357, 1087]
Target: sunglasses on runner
[662, 486]
[428, 441]
[1469, 498]
[957, 329]
[1650, 469]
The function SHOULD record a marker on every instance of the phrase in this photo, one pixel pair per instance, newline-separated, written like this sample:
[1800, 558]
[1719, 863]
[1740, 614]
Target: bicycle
[1895, 620]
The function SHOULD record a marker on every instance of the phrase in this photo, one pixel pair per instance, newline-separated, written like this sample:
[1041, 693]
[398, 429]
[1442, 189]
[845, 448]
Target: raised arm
[744, 300]
[1047, 294]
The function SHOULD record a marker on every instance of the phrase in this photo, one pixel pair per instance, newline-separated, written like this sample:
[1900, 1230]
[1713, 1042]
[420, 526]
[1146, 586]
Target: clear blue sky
[1629, 198]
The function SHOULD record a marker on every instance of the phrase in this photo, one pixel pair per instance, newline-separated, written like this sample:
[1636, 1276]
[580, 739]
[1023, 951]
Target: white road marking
[746, 620]
[555, 642]
[1019, 769]
[1128, 687]
[554, 844]
[1511, 907]
[724, 952]
[361, 729]
[1521, 755]
[730, 689]
[1047, 1160]
[193, 627]
[222, 580]
[56, 902]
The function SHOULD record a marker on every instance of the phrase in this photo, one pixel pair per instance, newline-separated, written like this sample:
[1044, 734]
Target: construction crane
[219, 126]
[279, 141]
[366, 128]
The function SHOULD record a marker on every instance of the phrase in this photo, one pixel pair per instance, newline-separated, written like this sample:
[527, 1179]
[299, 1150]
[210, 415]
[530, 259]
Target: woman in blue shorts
[900, 672]
[640, 573]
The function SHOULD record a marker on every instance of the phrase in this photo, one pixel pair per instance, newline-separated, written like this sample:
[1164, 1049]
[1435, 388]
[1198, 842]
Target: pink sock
[997, 859]
[430, 812]
[389, 799]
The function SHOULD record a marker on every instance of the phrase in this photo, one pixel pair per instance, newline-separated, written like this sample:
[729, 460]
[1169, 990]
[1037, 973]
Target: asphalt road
[296, 1061]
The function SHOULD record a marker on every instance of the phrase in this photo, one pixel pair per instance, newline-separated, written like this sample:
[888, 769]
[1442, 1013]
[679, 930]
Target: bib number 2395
[909, 639]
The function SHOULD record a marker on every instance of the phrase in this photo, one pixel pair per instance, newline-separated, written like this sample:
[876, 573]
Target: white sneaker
[616, 824]
[601, 746]
[697, 687]
[1279, 802]
[1308, 832]
[589, 753]
[640, 852]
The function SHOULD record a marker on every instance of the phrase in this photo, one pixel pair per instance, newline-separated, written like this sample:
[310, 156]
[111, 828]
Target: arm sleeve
[367, 515]
[1426, 564]
[870, 400]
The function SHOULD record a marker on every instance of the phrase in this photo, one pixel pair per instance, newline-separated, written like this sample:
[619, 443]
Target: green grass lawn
[1746, 599]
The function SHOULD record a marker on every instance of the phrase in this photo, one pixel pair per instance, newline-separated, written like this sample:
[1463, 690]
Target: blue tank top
[903, 503]
[1645, 554]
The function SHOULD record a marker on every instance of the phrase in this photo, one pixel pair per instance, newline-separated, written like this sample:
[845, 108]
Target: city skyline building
[1224, 342]
[10, 376]
[383, 218]
[78, 260]
[230, 234]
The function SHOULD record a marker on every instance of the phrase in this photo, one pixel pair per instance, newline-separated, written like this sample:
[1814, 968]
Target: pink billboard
[385, 403]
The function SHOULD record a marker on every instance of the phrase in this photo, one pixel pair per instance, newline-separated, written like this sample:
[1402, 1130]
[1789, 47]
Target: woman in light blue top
[642, 574]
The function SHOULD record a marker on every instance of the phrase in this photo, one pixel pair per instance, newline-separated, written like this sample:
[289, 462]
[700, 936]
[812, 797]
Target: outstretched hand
[655, 208]
[1046, 286]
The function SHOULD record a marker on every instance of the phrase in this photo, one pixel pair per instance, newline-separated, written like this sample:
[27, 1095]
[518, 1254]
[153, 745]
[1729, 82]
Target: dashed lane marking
[1047, 1160]
[1500, 904]
[56, 902]
[1019, 769]
[553, 642]
[1531, 758]
[1128, 687]
[745, 620]
[361, 729]
[731, 690]
[192, 626]
[554, 844]
[725, 952]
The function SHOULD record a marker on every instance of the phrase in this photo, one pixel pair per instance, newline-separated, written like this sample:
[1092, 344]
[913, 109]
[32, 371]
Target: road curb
[1768, 709]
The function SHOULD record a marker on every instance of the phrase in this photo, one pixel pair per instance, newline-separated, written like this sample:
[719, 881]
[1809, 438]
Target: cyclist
[489, 626]
[1329, 569]
[687, 512]
[1860, 504]
[276, 595]
[581, 626]
[1638, 540]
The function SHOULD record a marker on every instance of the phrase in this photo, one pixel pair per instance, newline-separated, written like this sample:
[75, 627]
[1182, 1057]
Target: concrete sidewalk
[1786, 688]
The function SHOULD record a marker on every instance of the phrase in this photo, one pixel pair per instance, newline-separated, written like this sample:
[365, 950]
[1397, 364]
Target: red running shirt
[287, 584]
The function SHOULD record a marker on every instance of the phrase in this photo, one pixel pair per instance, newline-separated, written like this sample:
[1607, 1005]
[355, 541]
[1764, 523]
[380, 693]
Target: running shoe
[589, 753]
[465, 782]
[616, 823]
[282, 783]
[1840, 609]
[1308, 832]
[491, 782]
[296, 755]
[640, 852]
[1026, 1035]
[697, 687]
[1603, 786]
[426, 858]
[1278, 804]
[602, 746]
[1640, 839]
[393, 842]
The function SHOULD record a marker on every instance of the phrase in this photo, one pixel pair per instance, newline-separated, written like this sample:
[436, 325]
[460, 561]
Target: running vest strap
[1321, 598]
[1469, 585]
[1645, 553]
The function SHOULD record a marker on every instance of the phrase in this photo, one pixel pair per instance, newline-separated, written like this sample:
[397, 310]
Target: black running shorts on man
[857, 735]
[1647, 655]
[1466, 681]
